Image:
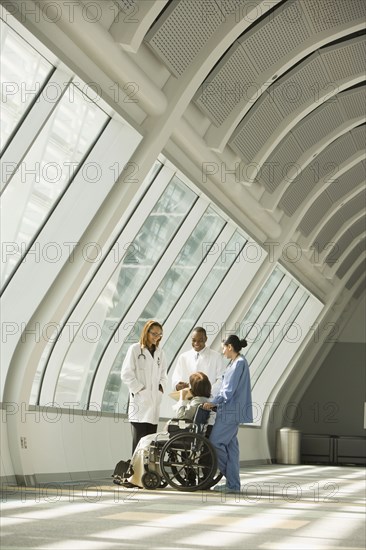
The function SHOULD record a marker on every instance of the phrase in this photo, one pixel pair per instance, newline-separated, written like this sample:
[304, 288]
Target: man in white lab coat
[199, 358]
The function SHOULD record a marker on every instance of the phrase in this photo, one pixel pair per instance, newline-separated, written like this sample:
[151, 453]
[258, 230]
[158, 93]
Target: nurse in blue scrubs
[234, 407]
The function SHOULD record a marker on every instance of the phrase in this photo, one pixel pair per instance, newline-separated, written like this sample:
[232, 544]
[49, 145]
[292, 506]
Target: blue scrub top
[234, 398]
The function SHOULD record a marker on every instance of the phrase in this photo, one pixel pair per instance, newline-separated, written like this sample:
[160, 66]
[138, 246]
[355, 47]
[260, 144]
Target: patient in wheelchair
[190, 399]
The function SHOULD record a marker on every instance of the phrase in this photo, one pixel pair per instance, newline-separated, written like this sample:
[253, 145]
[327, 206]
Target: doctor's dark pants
[224, 437]
[139, 430]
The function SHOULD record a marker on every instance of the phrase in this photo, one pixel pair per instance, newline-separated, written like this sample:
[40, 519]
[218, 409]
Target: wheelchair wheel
[151, 480]
[188, 462]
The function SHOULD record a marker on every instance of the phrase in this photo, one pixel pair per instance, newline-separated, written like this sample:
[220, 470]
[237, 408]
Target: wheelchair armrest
[179, 425]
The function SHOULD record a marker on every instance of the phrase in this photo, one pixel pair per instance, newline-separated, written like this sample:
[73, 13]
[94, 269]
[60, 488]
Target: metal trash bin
[288, 446]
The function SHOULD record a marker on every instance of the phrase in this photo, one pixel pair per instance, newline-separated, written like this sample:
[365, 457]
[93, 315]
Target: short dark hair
[200, 384]
[200, 329]
[236, 343]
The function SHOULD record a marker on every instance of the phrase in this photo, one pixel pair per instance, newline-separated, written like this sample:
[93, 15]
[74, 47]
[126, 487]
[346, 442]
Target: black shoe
[117, 481]
[129, 485]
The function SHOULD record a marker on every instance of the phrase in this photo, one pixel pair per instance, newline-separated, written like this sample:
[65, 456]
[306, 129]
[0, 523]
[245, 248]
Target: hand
[208, 406]
[181, 386]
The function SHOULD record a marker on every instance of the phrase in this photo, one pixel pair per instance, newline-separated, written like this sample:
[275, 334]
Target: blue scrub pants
[224, 437]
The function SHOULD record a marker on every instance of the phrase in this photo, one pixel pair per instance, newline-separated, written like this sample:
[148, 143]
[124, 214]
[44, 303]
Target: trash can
[288, 446]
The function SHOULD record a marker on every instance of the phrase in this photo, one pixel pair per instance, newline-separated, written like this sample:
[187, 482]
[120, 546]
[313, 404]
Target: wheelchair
[186, 460]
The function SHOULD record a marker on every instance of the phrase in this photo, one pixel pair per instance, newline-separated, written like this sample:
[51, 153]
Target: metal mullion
[286, 313]
[113, 257]
[98, 282]
[31, 126]
[283, 355]
[270, 304]
[111, 137]
[195, 284]
[143, 298]
[232, 289]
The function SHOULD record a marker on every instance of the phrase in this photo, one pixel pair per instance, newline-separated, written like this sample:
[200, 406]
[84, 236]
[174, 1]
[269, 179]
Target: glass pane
[165, 297]
[183, 268]
[256, 372]
[271, 332]
[46, 170]
[23, 72]
[203, 296]
[260, 302]
[34, 399]
[269, 324]
[124, 285]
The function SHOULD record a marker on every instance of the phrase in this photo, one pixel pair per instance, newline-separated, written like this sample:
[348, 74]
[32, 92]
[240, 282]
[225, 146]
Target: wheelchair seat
[197, 425]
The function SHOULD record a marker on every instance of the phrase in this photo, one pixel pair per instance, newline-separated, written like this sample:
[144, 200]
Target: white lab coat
[143, 374]
[209, 362]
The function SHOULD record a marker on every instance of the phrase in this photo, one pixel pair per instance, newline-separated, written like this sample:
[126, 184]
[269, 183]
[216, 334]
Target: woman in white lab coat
[144, 371]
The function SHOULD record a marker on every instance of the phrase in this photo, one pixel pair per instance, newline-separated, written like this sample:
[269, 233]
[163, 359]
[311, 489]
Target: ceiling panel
[274, 169]
[264, 46]
[337, 221]
[225, 88]
[351, 258]
[181, 32]
[326, 163]
[318, 124]
[356, 275]
[325, 14]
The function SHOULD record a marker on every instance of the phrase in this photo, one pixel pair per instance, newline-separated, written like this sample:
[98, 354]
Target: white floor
[279, 508]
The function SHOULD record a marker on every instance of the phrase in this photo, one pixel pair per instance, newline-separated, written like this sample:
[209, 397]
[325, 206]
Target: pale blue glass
[46, 171]
[203, 296]
[165, 297]
[23, 72]
[297, 307]
[130, 275]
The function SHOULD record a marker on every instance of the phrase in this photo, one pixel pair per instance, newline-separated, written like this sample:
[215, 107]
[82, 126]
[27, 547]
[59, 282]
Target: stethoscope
[141, 354]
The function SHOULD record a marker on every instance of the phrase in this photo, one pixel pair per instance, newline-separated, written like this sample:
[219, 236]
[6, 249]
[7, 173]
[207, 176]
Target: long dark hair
[235, 342]
[148, 326]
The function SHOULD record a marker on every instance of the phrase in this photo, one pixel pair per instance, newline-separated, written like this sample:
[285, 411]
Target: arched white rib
[129, 31]
[99, 45]
[217, 137]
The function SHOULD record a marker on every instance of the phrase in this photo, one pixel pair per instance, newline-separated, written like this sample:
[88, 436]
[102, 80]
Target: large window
[204, 294]
[23, 72]
[275, 325]
[164, 300]
[62, 150]
[142, 255]
[45, 171]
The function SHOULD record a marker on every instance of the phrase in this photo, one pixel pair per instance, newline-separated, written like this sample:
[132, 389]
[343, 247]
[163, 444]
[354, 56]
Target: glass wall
[143, 254]
[23, 73]
[163, 301]
[203, 296]
[46, 170]
[274, 326]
